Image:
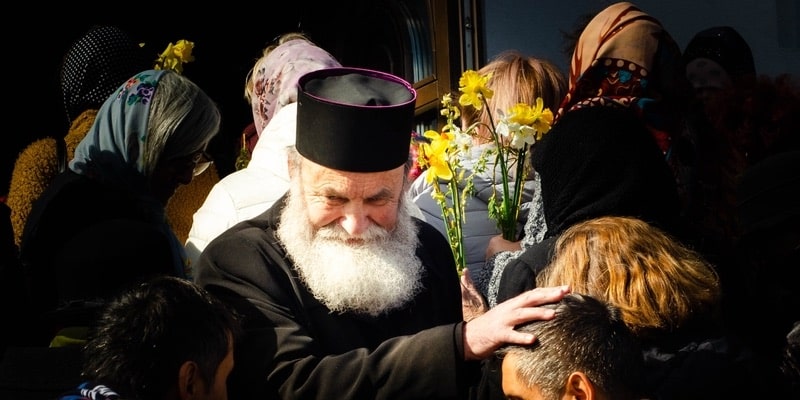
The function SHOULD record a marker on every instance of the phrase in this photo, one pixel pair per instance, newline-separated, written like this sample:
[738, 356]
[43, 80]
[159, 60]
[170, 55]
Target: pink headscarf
[275, 77]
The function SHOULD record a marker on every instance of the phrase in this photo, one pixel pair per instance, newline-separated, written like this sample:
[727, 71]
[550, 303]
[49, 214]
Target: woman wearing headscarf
[625, 58]
[272, 89]
[717, 59]
[102, 223]
[93, 67]
[720, 67]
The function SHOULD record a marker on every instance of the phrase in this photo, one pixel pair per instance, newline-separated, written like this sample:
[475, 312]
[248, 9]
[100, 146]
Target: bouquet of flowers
[515, 131]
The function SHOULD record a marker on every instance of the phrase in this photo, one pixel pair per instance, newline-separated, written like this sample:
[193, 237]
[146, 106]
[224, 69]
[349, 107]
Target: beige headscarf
[625, 58]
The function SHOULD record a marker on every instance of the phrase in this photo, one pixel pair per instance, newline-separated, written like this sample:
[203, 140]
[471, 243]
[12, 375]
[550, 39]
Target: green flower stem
[507, 227]
[511, 229]
[458, 252]
[453, 220]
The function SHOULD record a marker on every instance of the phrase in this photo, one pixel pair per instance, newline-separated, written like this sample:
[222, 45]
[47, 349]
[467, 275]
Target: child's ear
[190, 385]
[579, 387]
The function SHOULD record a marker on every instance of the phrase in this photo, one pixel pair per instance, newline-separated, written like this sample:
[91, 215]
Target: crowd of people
[659, 221]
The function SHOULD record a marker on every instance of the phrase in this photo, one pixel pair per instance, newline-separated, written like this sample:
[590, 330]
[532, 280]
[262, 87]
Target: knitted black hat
[353, 119]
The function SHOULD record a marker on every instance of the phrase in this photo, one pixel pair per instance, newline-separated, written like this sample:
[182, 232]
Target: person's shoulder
[484, 188]
[520, 272]
[33, 171]
[247, 180]
[246, 192]
[257, 230]
[79, 127]
[611, 119]
[38, 157]
[420, 186]
[254, 240]
[429, 236]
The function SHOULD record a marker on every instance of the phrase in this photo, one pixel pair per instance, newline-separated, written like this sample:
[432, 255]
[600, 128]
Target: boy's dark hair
[147, 332]
[586, 336]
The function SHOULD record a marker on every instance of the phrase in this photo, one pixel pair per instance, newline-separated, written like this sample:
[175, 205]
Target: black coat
[296, 348]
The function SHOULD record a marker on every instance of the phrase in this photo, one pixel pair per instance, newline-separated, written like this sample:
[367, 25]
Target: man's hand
[486, 333]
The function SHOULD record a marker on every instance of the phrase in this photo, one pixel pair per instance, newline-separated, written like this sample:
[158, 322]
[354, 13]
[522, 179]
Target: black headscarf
[725, 46]
[600, 162]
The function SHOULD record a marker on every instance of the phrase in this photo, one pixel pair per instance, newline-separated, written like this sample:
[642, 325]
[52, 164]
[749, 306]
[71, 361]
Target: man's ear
[293, 163]
[190, 385]
[289, 168]
[580, 387]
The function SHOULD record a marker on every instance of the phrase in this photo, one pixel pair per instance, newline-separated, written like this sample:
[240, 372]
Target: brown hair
[656, 282]
[517, 78]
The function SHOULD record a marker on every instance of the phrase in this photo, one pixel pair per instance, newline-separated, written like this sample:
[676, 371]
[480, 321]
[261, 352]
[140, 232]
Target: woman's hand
[498, 244]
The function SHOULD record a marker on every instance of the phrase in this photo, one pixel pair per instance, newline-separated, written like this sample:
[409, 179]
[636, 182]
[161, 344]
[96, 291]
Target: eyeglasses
[202, 160]
[198, 162]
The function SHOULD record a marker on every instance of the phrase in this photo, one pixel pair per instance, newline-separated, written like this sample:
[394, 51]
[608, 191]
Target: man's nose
[355, 220]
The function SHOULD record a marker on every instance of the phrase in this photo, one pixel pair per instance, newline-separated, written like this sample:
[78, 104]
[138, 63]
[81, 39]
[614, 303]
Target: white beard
[378, 274]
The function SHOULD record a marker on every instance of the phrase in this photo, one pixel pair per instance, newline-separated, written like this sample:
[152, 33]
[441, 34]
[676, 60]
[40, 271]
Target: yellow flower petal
[434, 155]
[441, 171]
[522, 114]
[472, 85]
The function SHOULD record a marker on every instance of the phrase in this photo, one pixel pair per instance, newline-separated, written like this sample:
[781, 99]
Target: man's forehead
[318, 176]
[314, 168]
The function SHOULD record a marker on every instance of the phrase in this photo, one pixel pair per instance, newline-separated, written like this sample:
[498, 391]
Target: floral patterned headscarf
[625, 58]
[112, 149]
[275, 77]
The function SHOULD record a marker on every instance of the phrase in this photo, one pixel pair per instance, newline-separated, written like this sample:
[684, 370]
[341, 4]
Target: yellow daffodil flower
[183, 50]
[542, 120]
[434, 156]
[521, 114]
[473, 89]
[525, 124]
[175, 55]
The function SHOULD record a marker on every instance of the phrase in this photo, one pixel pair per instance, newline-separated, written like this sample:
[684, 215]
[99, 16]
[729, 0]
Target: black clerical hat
[353, 119]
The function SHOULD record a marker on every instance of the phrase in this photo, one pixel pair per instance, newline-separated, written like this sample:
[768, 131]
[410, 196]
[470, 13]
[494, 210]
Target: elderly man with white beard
[343, 293]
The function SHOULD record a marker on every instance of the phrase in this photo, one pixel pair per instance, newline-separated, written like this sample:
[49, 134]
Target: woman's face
[169, 174]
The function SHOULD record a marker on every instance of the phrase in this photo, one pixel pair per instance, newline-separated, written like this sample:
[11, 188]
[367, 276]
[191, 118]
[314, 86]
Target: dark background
[227, 40]
[229, 37]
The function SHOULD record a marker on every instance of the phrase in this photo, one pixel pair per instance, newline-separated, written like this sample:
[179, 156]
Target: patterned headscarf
[275, 77]
[112, 149]
[624, 58]
[95, 65]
